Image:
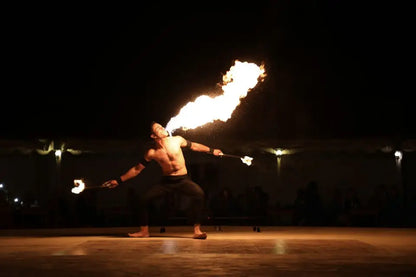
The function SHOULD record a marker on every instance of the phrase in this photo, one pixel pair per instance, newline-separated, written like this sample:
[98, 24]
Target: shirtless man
[167, 152]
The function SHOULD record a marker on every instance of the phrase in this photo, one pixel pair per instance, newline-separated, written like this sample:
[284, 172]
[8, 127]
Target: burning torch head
[79, 186]
[247, 160]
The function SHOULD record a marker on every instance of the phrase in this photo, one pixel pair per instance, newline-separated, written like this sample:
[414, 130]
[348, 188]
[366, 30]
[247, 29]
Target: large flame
[237, 82]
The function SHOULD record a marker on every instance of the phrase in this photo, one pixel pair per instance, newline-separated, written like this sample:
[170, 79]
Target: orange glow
[79, 186]
[247, 160]
[237, 82]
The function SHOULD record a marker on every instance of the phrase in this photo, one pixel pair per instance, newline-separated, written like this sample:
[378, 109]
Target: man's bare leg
[143, 233]
[198, 234]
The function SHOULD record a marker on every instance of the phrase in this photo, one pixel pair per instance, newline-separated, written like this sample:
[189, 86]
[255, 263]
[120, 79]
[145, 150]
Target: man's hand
[217, 152]
[110, 184]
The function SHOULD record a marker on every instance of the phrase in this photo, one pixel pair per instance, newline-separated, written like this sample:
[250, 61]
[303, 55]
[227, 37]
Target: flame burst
[237, 82]
[79, 186]
[247, 160]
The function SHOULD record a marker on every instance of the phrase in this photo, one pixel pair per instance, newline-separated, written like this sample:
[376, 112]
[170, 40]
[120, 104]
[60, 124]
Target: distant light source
[58, 153]
[16, 200]
[1, 186]
[398, 154]
[278, 152]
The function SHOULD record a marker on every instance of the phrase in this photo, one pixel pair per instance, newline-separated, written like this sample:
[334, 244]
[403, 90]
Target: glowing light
[247, 160]
[1, 186]
[398, 154]
[278, 152]
[237, 82]
[79, 186]
[58, 153]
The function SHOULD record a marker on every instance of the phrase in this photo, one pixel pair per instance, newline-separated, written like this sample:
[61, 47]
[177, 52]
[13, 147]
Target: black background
[106, 70]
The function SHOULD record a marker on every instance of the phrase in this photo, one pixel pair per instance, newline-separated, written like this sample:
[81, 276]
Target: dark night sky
[107, 71]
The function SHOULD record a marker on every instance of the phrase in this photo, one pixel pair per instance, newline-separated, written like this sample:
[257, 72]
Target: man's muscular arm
[195, 146]
[131, 173]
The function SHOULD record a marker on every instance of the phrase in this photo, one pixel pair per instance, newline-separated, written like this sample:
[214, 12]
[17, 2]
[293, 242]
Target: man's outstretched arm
[195, 146]
[131, 173]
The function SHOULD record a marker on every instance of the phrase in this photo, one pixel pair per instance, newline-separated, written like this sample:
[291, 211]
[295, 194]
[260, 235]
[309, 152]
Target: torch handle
[246, 160]
[231, 156]
[94, 187]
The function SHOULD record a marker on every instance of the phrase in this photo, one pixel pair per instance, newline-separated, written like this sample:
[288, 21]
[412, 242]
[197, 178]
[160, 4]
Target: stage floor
[234, 251]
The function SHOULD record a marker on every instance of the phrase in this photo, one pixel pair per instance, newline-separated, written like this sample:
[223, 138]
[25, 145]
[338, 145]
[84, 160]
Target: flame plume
[237, 82]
